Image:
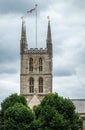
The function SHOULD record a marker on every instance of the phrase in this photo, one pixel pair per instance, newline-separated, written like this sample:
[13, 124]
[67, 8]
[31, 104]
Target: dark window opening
[40, 85]
[31, 85]
[30, 64]
[40, 64]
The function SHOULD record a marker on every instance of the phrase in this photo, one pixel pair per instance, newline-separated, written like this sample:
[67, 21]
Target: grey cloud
[7, 88]
[77, 91]
[8, 55]
[20, 6]
[80, 56]
[69, 61]
[57, 50]
[9, 41]
[10, 67]
[11, 6]
[69, 87]
[64, 71]
[9, 58]
[74, 92]
[79, 4]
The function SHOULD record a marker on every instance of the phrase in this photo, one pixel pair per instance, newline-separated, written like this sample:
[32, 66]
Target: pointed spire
[23, 36]
[49, 39]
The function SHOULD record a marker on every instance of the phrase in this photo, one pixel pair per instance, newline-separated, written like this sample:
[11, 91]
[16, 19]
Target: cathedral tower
[36, 69]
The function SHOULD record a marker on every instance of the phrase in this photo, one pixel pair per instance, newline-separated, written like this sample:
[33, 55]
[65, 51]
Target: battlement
[37, 51]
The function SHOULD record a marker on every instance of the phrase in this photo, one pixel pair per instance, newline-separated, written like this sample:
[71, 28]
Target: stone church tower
[36, 69]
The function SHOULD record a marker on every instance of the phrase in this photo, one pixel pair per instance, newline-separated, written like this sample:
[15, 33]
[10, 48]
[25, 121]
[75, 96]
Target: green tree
[18, 117]
[56, 112]
[11, 100]
[10, 108]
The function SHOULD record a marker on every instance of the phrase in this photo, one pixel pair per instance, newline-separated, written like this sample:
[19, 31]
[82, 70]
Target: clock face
[35, 64]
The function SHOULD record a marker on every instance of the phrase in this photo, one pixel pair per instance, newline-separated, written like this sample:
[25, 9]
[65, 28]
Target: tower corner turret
[23, 41]
[49, 39]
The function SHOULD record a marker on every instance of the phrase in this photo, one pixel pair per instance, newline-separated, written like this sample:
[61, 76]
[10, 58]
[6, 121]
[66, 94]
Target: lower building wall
[83, 121]
[83, 126]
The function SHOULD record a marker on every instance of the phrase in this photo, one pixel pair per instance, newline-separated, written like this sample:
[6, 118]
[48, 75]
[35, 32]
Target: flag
[31, 10]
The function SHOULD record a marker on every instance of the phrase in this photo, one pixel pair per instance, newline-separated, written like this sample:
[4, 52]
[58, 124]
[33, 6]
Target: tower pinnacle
[23, 36]
[49, 39]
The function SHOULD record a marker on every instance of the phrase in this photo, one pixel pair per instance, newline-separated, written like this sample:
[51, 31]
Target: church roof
[80, 105]
[34, 101]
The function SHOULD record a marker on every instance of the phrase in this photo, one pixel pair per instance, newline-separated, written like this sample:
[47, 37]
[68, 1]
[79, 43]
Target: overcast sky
[68, 37]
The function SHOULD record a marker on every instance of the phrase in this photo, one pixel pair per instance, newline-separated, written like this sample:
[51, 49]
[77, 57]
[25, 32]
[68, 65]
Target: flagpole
[36, 25]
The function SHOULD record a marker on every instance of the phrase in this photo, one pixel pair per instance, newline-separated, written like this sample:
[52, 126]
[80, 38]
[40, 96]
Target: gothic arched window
[40, 85]
[40, 64]
[31, 85]
[31, 64]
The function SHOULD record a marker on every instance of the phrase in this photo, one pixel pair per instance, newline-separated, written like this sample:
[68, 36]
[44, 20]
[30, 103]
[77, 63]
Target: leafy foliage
[55, 112]
[11, 100]
[18, 117]
[15, 114]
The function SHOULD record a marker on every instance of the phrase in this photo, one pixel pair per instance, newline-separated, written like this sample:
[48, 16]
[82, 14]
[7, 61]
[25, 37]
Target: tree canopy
[56, 112]
[18, 117]
[15, 114]
[11, 100]
[53, 113]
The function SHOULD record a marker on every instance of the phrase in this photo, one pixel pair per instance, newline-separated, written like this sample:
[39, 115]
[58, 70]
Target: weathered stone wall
[46, 74]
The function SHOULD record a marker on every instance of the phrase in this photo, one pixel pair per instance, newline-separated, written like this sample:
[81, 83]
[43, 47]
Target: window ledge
[42, 94]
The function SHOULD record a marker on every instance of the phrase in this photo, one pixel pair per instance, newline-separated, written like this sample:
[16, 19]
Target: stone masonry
[36, 69]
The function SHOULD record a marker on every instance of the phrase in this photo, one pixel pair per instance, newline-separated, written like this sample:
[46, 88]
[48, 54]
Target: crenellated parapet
[36, 51]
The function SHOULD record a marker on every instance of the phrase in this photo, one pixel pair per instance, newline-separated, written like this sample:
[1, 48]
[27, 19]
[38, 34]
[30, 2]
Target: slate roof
[80, 105]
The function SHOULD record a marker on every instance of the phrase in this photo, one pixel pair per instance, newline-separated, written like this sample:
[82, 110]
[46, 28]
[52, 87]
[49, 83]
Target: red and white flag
[31, 10]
